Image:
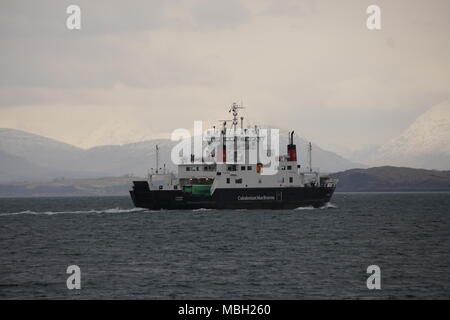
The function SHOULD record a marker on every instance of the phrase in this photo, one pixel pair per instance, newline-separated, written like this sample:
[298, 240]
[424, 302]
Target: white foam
[305, 208]
[328, 205]
[49, 213]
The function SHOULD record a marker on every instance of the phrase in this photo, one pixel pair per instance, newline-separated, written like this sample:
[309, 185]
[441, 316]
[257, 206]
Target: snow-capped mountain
[37, 149]
[115, 132]
[424, 144]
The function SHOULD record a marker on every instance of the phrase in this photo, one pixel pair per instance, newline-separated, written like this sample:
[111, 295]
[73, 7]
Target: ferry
[218, 182]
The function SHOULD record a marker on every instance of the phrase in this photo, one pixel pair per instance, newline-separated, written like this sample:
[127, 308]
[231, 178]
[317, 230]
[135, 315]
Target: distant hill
[391, 179]
[118, 186]
[29, 157]
[38, 158]
[37, 149]
[14, 168]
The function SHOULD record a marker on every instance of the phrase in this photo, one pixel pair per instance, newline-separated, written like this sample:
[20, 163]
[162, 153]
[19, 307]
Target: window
[283, 168]
[259, 181]
[232, 168]
[242, 168]
[289, 167]
[249, 167]
[188, 168]
[291, 179]
[238, 181]
[175, 187]
[228, 180]
[282, 180]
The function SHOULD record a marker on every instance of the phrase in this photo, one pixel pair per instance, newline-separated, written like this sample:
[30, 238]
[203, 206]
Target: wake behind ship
[236, 184]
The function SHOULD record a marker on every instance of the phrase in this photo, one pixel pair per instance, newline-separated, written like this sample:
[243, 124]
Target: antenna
[235, 111]
[310, 156]
[157, 159]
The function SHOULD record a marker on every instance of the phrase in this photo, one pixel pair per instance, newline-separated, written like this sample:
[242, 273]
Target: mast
[310, 156]
[224, 142]
[157, 159]
[235, 112]
[257, 144]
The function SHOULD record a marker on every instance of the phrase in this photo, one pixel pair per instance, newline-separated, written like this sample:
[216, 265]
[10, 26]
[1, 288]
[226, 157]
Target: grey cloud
[20, 18]
[290, 8]
[113, 45]
[219, 13]
[197, 54]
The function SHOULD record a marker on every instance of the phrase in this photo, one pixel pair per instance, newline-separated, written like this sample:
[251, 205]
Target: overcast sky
[159, 65]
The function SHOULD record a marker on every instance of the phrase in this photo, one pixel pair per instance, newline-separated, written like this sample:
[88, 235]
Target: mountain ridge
[58, 159]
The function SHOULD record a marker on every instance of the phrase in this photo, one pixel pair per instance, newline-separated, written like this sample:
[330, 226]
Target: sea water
[125, 252]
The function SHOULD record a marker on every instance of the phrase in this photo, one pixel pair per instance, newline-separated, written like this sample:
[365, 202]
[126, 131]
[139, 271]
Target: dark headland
[392, 179]
[378, 179]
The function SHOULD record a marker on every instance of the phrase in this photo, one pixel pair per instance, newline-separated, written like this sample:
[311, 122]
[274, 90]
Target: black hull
[242, 198]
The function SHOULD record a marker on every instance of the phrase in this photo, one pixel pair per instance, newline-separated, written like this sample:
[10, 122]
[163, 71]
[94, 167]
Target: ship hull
[231, 198]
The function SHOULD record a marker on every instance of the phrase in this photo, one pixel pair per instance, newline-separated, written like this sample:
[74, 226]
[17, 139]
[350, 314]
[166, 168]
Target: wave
[328, 205]
[305, 208]
[49, 213]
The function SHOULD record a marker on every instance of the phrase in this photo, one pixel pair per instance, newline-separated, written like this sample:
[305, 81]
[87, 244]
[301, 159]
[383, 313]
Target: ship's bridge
[196, 171]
